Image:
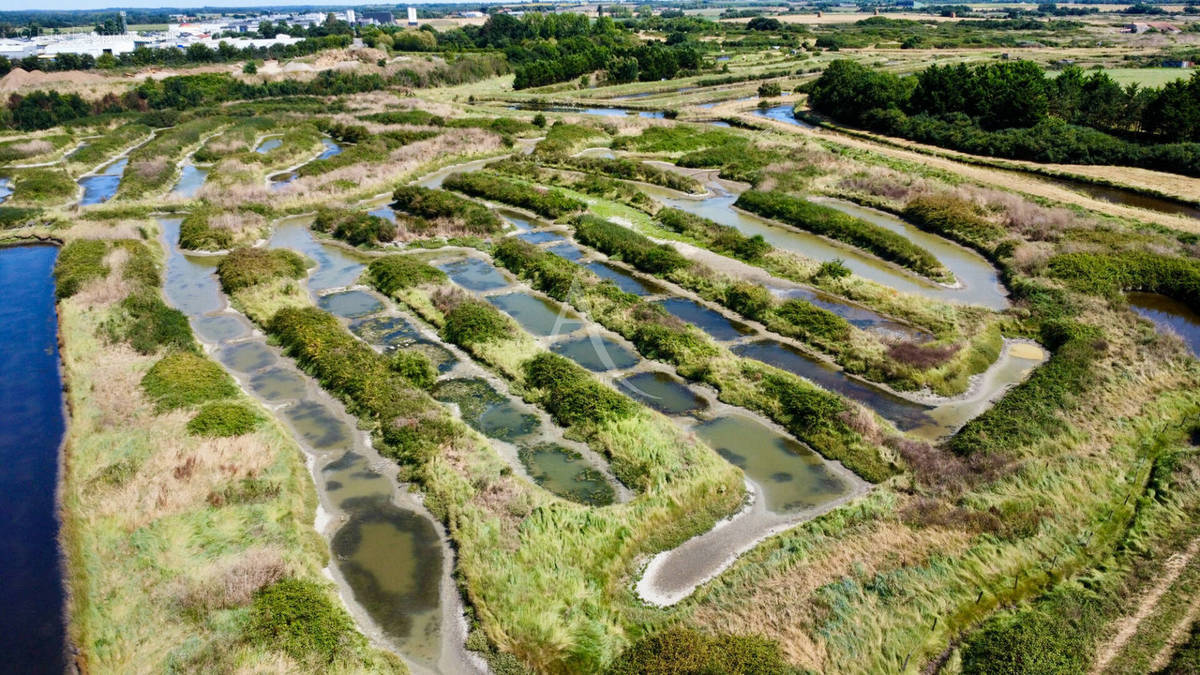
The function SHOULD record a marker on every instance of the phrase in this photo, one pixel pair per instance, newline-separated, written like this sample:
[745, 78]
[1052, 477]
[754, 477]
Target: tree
[768, 89]
[250, 68]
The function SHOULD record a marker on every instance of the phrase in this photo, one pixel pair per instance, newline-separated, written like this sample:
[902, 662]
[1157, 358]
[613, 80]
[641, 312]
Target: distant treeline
[42, 110]
[1011, 109]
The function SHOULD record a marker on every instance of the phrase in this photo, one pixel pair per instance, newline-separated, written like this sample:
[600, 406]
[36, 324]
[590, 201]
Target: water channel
[1169, 315]
[390, 556]
[99, 187]
[32, 424]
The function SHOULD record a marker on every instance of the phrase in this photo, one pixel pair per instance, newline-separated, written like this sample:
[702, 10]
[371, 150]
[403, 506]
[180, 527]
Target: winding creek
[100, 186]
[32, 424]
[392, 560]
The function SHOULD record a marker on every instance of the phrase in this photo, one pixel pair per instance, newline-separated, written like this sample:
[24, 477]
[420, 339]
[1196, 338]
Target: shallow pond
[100, 187]
[791, 476]
[268, 145]
[537, 315]
[541, 237]
[903, 413]
[331, 149]
[567, 251]
[663, 392]
[32, 424]
[350, 304]
[191, 179]
[278, 384]
[246, 357]
[5, 189]
[485, 409]
[319, 427]
[624, 280]
[1169, 314]
[336, 266]
[564, 473]
[190, 285]
[710, 321]
[221, 327]
[597, 353]
[782, 113]
[474, 274]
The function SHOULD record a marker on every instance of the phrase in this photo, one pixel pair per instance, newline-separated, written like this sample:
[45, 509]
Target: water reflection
[100, 187]
[662, 392]
[1169, 314]
[537, 315]
[190, 181]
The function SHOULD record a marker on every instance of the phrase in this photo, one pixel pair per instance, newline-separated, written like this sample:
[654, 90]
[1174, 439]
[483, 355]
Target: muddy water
[597, 353]
[537, 315]
[391, 560]
[101, 186]
[665, 393]
[719, 208]
[337, 267]
[190, 181]
[474, 274]
[1169, 315]
[1116, 195]
[350, 304]
[710, 321]
[972, 271]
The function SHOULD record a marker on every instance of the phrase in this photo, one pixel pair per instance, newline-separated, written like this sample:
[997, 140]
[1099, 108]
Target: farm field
[654, 343]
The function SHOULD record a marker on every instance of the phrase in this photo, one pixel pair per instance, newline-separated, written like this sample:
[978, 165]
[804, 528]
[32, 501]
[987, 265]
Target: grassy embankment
[187, 512]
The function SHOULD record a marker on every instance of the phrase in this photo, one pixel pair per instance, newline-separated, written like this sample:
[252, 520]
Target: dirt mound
[19, 78]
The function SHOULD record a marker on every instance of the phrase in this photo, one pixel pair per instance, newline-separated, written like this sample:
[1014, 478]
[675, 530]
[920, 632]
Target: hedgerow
[954, 218]
[223, 420]
[397, 272]
[433, 204]
[249, 266]
[628, 169]
[633, 248]
[474, 321]
[720, 238]
[548, 203]
[830, 222]
[547, 272]
[182, 379]
[414, 117]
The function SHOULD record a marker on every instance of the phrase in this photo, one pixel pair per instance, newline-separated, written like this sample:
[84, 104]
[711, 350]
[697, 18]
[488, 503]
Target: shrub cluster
[246, 266]
[628, 169]
[195, 234]
[182, 379]
[635, 249]
[682, 650]
[300, 619]
[1110, 274]
[720, 238]
[1030, 411]
[548, 203]
[409, 428]
[955, 219]
[415, 117]
[415, 367]
[42, 185]
[829, 222]
[571, 394]
[79, 262]
[147, 323]
[563, 138]
[354, 227]
[397, 272]
[473, 321]
[433, 204]
[545, 271]
[223, 420]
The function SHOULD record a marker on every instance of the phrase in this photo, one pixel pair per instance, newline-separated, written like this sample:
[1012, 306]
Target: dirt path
[1127, 626]
[1012, 180]
[1179, 635]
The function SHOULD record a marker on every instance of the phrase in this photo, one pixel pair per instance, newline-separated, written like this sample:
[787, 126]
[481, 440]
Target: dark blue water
[32, 637]
[101, 187]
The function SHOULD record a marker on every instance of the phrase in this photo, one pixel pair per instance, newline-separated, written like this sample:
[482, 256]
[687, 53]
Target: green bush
[633, 248]
[42, 185]
[397, 272]
[548, 203]
[805, 320]
[79, 262]
[628, 169]
[354, 227]
[547, 272]
[12, 217]
[195, 234]
[414, 367]
[682, 650]
[147, 323]
[953, 218]
[222, 420]
[571, 394]
[300, 619]
[1027, 642]
[1110, 274]
[182, 379]
[833, 269]
[475, 321]
[415, 117]
[433, 204]
[246, 266]
[748, 299]
[823, 220]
